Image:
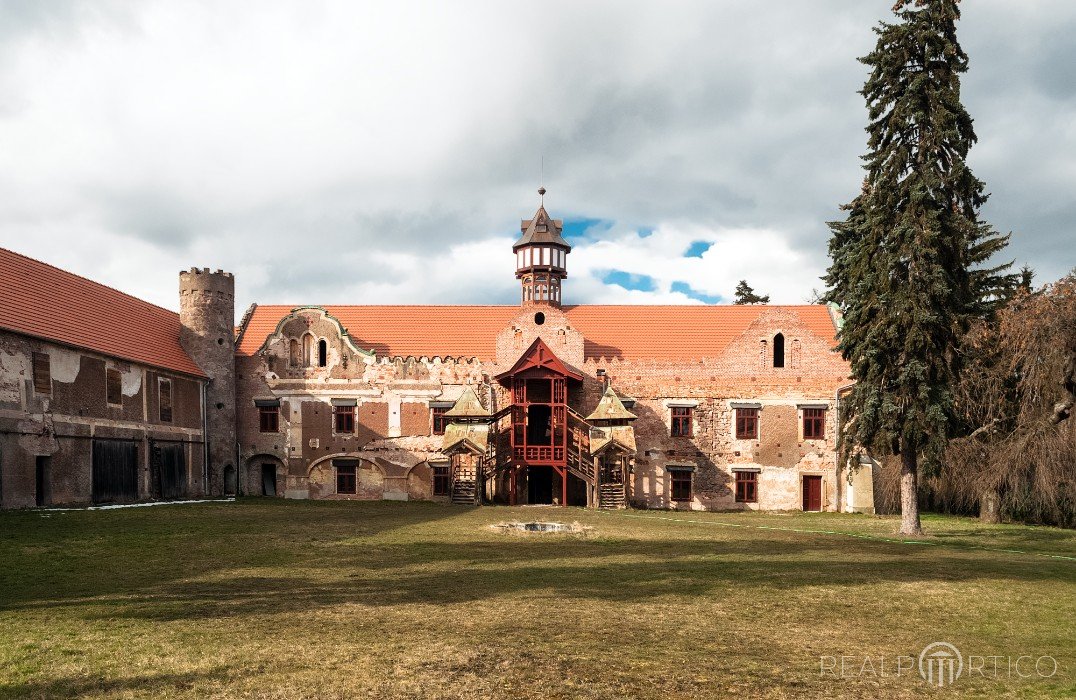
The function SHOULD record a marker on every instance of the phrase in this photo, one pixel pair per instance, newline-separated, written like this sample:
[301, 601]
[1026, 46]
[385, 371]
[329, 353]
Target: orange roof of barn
[39, 300]
[626, 332]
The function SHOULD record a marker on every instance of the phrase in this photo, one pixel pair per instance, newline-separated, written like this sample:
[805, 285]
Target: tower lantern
[541, 258]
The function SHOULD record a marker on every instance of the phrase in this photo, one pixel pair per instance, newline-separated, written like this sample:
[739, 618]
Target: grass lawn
[300, 599]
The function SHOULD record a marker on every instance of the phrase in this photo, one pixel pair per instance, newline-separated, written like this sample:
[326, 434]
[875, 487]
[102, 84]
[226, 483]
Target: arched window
[295, 357]
[779, 350]
[323, 353]
[309, 349]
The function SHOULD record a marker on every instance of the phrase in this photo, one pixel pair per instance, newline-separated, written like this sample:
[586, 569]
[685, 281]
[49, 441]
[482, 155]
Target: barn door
[170, 464]
[812, 493]
[115, 471]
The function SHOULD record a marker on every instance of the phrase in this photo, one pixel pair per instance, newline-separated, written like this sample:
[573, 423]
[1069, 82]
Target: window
[323, 353]
[114, 387]
[344, 420]
[345, 478]
[440, 420]
[681, 421]
[164, 399]
[440, 480]
[814, 424]
[747, 487]
[746, 423]
[269, 419]
[295, 355]
[42, 373]
[681, 485]
[779, 350]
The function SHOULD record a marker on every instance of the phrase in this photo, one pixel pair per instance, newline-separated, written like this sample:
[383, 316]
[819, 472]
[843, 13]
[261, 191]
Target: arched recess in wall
[323, 353]
[309, 350]
[295, 355]
[779, 350]
[265, 476]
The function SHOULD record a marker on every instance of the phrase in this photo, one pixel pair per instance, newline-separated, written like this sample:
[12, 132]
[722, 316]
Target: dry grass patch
[268, 599]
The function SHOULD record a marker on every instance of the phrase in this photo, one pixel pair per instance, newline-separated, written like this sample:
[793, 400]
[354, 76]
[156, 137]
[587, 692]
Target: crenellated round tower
[207, 317]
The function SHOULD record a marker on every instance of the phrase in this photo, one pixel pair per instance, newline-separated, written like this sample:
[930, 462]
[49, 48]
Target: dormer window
[323, 353]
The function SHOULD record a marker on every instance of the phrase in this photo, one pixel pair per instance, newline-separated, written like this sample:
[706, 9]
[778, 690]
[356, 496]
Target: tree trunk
[989, 511]
[909, 493]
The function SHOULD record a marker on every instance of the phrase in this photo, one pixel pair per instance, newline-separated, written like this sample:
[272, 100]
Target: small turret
[207, 318]
[541, 258]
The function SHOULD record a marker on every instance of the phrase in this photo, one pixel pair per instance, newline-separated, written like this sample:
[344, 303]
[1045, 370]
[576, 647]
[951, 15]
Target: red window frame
[681, 421]
[746, 423]
[269, 419]
[814, 424]
[346, 480]
[440, 481]
[344, 420]
[681, 485]
[746, 487]
[440, 420]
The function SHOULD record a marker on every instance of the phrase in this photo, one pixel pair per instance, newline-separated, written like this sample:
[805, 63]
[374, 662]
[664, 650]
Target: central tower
[541, 256]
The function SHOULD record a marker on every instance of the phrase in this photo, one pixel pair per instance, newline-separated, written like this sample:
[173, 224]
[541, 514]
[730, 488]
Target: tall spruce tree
[906, 261]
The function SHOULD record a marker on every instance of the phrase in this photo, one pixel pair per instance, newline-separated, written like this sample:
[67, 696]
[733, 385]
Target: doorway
[41, 478]
[539, 425]
[171, 468]
[577, 491]
[540, 485]
[115, 471]
[812, 493]
[268, 479]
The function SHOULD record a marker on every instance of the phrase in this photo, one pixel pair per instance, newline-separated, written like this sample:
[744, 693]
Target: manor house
[107, 398]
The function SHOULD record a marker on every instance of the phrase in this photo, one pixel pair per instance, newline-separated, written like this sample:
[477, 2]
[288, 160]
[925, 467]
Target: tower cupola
[541, 258]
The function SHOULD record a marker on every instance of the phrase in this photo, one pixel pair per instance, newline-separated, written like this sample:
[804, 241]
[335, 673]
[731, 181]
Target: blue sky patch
[582, 228]
[697, 248]
[685, 288]
[627, 280]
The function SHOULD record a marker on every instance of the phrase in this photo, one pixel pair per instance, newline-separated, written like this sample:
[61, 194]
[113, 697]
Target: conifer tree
[745, 294]
[907, 259]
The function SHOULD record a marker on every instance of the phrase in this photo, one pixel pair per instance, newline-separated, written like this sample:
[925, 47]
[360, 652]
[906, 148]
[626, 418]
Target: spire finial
[541, 180]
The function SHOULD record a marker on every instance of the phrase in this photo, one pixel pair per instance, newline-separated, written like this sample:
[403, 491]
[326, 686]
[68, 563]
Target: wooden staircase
[464, 486]
[611, 496]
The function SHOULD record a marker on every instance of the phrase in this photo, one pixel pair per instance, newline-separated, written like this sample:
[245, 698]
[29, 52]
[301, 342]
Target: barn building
[542, 402]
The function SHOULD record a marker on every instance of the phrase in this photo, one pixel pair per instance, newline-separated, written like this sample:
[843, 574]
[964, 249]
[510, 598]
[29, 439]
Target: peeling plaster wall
[393, 396]
[62, 424]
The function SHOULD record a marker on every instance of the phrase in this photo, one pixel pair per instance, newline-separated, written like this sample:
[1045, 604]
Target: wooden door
[812, 493]
[115, 471]
[170, 465]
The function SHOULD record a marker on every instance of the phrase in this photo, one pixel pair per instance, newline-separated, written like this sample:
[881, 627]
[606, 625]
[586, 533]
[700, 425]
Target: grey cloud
[721, 115]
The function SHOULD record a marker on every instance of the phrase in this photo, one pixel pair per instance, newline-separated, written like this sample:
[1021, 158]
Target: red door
[812, 493]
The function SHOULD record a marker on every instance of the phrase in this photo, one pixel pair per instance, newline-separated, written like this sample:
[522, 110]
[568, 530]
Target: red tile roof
[626, 332]
[46, 302]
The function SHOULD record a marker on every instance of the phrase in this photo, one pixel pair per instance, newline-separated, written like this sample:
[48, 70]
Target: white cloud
[384, 152]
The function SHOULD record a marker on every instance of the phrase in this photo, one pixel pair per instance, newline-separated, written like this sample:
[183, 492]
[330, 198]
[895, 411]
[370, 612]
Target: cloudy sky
[385, 152]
